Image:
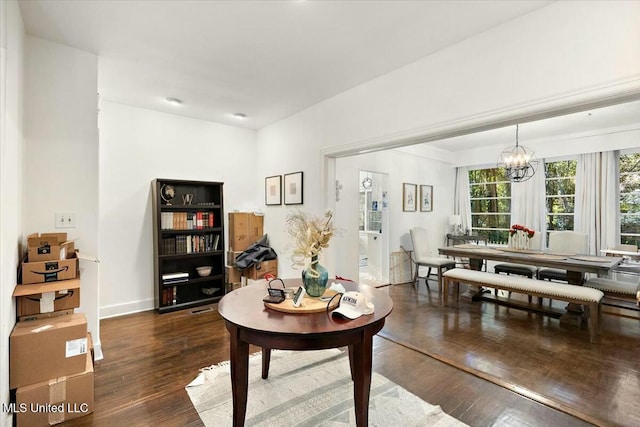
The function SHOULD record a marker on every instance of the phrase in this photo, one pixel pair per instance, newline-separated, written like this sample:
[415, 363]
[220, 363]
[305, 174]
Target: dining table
[250, 320]
[576, 266]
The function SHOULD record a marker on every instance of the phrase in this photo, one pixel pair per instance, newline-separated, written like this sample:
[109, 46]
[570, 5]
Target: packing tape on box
[47, 302]
[57, 394]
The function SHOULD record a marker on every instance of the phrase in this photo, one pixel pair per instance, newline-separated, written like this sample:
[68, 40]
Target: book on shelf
[176, 275]
[187, 220]
[192, 243]
[173, 281]
[169, 295]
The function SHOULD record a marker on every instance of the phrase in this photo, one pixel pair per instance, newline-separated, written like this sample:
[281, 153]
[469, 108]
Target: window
[560, 188]
[630, 198]
[370, 212]
[490, 192]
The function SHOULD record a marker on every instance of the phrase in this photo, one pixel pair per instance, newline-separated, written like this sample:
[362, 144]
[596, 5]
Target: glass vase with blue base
[315, 278]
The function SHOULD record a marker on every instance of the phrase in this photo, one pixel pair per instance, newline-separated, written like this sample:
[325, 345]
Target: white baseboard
[126, 308]
[97, 351]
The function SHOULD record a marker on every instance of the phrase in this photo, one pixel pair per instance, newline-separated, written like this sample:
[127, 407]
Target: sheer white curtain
[462, 197]
[597, 199]
[528, 206]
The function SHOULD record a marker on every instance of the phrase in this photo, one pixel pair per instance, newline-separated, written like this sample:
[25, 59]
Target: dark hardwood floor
[502, 365]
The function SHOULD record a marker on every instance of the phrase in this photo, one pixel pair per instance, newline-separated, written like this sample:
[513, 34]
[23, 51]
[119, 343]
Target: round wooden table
[250, 322]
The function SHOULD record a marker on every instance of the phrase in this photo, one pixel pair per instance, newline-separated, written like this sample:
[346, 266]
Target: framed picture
[293, 188]
[409, 197]
[273, 190]
[426, 198]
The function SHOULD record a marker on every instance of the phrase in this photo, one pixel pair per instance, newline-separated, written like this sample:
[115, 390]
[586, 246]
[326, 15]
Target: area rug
[308, 388]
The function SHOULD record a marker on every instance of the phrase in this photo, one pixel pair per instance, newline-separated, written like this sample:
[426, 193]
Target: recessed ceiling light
[240, 116]
[174, 101]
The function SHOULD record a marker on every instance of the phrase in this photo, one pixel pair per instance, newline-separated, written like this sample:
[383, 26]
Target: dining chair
[628, 264]
[625, 248]
[423, 258]
[617, 289]
[564, 242]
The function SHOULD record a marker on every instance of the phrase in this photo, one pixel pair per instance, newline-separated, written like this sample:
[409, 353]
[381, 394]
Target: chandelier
[519, 162]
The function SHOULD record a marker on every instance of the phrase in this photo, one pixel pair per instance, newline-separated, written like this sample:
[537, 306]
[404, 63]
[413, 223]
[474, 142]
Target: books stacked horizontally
[171, 278]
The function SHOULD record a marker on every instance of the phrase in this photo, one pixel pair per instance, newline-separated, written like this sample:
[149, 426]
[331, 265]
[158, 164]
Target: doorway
[373, 228]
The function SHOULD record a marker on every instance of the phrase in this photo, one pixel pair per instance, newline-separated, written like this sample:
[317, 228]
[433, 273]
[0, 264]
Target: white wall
[561, 55]
[137, 146]
[11, 178]
[61, 136]
[401, 167]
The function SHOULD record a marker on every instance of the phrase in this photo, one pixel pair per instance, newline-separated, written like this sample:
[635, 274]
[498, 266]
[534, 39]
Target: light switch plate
[65, 220]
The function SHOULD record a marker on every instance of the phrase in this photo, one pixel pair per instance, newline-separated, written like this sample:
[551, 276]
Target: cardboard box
[258, 271]
[232, 255]
[49, 271]
[49, 348]
[245, 228]
[45, 315]
[48, 247]
[233, 274]
[47, 297]
[54, 401]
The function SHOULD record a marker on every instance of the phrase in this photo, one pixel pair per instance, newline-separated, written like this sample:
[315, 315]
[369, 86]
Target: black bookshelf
[188, 232]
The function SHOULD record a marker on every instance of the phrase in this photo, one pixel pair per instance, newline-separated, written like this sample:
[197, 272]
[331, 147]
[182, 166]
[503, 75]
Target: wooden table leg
[360, 360]
[239, 364]
[351, 363]
[574, 312]
[474, 293]
[266, 361]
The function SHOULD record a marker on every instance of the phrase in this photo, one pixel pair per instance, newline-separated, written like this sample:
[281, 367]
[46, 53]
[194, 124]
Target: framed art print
[273, 190]
[409, 197]
[293, 188]
[426, 198]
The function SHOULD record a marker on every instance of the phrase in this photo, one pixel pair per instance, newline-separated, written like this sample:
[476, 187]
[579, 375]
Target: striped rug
[308, 388]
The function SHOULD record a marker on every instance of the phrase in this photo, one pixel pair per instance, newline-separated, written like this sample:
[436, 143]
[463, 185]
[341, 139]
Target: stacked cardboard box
[50, 367]
[246, 228]
[50, 257]
[50, 362]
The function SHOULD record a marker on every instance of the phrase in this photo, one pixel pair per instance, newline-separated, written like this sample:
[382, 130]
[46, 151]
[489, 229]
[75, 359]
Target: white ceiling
[615, 118]
[266, 59]
[270, 59]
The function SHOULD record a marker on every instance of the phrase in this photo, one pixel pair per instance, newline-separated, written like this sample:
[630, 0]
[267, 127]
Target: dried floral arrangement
[310, 235]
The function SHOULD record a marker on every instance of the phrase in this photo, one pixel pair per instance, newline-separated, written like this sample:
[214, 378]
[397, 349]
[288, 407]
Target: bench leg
[440, 280]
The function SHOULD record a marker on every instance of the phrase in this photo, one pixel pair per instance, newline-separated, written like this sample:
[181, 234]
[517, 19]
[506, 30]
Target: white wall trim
[130, 307]
[600, 96]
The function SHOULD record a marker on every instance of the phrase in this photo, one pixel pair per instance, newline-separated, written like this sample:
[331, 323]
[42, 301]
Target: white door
[373, 228]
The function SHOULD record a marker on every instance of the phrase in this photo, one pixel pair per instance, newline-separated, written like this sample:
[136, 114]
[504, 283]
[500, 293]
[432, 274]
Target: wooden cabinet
[188, 236]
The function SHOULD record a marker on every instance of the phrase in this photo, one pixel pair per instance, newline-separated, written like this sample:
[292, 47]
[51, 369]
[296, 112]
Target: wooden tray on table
[309, 304]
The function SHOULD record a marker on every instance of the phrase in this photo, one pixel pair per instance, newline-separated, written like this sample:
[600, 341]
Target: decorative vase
[519, 240]
[315, 278]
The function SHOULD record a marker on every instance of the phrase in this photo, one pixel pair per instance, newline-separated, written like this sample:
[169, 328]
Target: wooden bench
[588, 297]
[616, 290]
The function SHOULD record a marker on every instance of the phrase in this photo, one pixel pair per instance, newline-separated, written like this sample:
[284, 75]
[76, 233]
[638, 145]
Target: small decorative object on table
[310, 234]
[519, 237]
